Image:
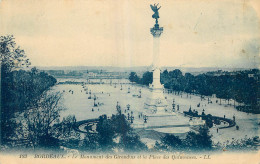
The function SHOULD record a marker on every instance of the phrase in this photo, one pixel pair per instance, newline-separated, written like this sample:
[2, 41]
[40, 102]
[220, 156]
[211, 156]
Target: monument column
[156, 101]
[156, 31]
[156, 48]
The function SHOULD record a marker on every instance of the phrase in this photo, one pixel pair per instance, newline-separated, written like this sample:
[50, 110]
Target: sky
[197, 33]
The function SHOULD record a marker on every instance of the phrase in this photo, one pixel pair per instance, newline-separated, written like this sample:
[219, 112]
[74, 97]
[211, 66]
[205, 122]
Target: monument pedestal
[156, 102]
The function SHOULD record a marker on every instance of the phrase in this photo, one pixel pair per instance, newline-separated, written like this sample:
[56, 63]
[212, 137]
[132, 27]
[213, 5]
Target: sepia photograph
[130, 81]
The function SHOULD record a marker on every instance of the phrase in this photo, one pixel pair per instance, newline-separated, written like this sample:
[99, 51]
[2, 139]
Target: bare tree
[38, 122]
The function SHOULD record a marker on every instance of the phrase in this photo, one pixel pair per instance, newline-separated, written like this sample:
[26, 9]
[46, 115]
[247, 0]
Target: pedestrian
[217, 130]
[145, 120]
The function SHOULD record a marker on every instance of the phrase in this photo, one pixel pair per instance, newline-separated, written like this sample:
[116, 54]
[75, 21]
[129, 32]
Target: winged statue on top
[155, 9]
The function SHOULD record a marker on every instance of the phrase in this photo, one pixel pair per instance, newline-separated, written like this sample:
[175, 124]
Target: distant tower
[156, 102]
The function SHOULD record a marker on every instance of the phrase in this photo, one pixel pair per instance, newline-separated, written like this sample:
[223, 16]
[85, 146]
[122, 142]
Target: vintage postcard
[130, 81]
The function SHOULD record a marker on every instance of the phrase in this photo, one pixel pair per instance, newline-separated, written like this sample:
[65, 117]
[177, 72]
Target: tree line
[238, 86]
[22, 90]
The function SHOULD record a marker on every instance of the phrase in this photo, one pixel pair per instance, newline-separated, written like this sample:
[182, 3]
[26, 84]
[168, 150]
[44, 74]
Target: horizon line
[221, 67]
